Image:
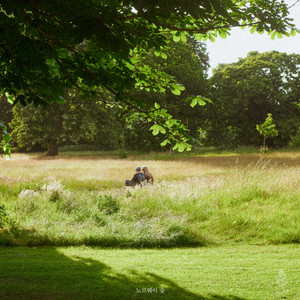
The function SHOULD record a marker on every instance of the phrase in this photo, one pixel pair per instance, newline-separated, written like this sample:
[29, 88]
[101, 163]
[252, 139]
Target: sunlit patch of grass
[194, 201]
[227, 272]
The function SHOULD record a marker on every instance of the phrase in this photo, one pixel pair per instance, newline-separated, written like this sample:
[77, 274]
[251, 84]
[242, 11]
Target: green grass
[241, 209]
[194, 202]
[85, 151]
[239, 272]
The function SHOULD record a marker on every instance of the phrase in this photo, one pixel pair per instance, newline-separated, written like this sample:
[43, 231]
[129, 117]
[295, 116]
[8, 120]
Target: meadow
[204, 200]
[213, 226]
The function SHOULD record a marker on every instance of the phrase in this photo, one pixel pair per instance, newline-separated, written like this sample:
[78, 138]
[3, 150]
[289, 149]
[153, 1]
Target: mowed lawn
[237, 272]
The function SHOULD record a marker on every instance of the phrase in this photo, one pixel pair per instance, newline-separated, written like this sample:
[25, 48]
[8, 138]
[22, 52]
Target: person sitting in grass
[137, 179]
[148, 175]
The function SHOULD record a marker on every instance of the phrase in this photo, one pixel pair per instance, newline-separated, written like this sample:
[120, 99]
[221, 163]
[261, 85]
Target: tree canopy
[47, 46]
[246, 91]
[78, 121]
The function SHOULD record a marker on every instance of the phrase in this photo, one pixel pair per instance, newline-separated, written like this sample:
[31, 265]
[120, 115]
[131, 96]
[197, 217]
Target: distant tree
[244, 92]
[188, 62]
[295, 139]
[79, 120]
[267, 129]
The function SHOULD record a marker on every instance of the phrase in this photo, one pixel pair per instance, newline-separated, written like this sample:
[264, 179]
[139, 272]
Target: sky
[241, 42]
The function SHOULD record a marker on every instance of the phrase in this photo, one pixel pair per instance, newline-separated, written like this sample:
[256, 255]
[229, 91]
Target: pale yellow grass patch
[272, 171]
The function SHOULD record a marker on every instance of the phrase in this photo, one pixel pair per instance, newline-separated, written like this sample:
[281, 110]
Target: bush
[3, 216]
[295, 140]
[122, 153]
[108, 205]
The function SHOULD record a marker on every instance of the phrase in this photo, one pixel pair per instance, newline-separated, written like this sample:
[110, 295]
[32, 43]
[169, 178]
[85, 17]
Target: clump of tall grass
[52, 215]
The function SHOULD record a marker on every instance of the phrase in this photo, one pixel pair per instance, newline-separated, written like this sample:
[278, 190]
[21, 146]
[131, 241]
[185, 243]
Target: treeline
[242, 94]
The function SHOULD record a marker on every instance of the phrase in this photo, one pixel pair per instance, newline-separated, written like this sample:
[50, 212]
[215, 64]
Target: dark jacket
[138, 178]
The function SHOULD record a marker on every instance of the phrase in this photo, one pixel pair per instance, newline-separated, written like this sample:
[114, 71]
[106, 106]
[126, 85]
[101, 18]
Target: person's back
[138, 178]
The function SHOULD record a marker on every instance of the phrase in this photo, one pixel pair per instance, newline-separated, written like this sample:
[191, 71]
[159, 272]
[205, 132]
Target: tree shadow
[47, 273]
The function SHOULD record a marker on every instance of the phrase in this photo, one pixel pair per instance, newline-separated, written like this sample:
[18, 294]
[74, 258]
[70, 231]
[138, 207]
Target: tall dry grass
[194, 201]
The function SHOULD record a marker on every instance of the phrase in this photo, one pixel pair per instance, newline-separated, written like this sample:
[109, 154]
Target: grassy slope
[220, 200]
[239, 272]
[195, 201]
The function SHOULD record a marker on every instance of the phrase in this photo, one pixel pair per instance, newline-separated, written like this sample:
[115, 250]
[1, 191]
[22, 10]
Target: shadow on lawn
[45, 273]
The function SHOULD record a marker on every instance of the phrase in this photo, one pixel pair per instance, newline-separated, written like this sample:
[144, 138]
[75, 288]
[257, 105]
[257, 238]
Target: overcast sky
[241, 41]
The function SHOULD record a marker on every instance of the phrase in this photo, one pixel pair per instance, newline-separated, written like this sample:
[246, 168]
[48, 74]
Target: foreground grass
[239, 272]
[196, 201]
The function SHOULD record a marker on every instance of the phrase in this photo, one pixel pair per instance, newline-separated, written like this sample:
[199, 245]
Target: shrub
[108, 205]
[122, 153]
[3, 216]
[295, 140]
[54, 196]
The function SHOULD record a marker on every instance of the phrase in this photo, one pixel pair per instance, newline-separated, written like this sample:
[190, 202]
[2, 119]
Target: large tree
[79, 120]
[47, 46]
[246, 91]
[188, 63]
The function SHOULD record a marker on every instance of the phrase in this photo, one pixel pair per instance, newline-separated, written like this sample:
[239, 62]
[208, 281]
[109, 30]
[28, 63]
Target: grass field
[213, 226]
[209, 200]
[228, 273]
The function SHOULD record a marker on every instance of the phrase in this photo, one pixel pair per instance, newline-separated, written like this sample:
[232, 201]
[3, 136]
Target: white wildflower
[52, 187]
[28, 194]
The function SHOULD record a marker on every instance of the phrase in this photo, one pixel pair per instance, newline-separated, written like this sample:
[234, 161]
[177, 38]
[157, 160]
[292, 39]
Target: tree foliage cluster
[242, 94]
[48, 47]
[78, 121]
[245, 92]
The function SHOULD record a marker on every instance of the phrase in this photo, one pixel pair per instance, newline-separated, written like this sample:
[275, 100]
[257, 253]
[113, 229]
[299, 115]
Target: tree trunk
[53, 141]
[52, 148]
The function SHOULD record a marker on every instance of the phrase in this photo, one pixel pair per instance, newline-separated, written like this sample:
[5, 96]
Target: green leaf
[222, 34]
[181, 146]
[293, 32]
[177, 36]
[201, 102]
[199, 37]
[253, 29]
[279, 35]
[183, 37]
[129, 66]
[162, 130]
[10, 98]
[156, 105]
[164, 143]
[194, 102]
[198, 100]
[155, 129]
[163, 55]
[273, 35]
[211, 38]
[176, 89]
